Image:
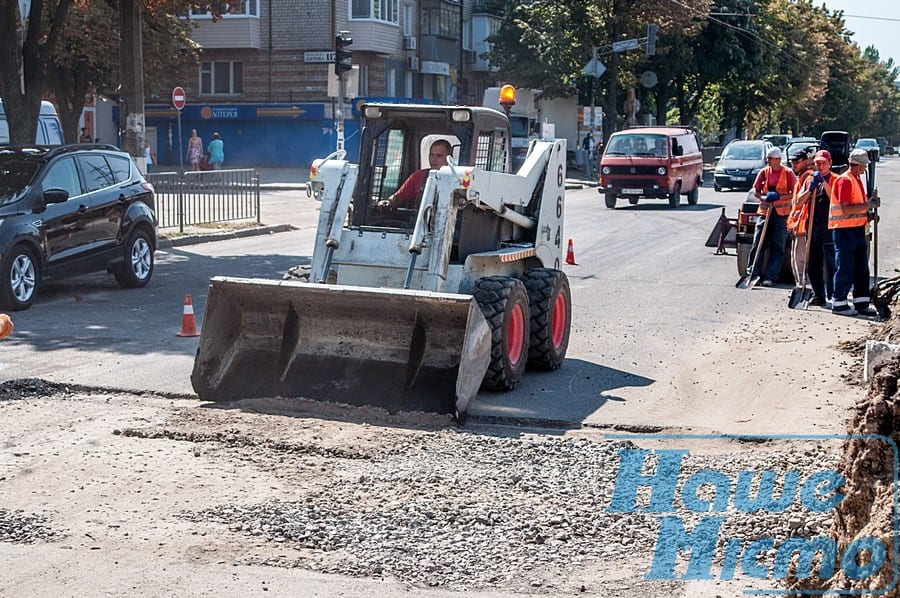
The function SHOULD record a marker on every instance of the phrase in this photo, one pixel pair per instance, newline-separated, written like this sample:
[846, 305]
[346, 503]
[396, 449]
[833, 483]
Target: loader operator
[407, 196]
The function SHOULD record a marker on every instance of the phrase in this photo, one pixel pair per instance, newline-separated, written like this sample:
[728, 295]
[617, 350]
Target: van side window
[63, 175]
[52, 130]
[97, 173]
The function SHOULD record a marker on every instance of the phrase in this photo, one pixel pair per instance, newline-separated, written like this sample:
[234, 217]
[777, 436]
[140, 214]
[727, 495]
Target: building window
[221, 78]
[442, 20]
[378, 10]
[409, 19]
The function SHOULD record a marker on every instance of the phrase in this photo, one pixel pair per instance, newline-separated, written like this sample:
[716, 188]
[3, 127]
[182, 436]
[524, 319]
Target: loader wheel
[504, 303]
[550, 302]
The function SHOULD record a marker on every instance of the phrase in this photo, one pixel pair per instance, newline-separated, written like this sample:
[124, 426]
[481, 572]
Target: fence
[204, 197]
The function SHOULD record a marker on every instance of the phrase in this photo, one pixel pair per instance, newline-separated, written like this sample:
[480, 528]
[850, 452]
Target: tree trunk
[131, 124]
[69, 87]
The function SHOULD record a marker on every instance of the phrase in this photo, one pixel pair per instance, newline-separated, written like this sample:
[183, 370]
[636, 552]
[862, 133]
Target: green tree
[87, 57]
[26, 45]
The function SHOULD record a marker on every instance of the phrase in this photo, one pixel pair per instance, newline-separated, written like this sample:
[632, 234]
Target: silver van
[49, 129]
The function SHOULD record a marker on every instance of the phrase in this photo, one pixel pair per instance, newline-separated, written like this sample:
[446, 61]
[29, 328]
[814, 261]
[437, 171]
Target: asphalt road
[649, 302]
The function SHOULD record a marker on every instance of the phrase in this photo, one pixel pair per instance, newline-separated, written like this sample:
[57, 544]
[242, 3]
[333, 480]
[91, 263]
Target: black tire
[138, 266]
[675, 196]
[504, 303]
[550, 302]
[21, 279]
[717, 188]
[610, 200]
[694, 195]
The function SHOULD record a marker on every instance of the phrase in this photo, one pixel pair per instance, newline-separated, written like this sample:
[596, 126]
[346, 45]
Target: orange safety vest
[783, 205]
[799, 215]
[852, 213]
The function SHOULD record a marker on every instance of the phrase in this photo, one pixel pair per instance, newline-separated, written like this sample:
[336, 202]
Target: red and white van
[651, 162]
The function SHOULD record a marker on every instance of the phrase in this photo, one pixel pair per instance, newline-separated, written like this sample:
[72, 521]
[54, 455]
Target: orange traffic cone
[6, 326]
[570, 254]
[188, 325]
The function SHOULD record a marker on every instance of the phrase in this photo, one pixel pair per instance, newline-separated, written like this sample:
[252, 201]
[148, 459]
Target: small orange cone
[188, 325]
[570, 254]
[6, 326]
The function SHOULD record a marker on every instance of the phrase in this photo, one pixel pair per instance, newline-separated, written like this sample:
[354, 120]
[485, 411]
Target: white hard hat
[775, 152]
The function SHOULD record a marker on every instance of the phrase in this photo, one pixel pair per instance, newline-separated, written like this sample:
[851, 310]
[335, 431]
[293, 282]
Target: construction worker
[847, 220]
[820, 267]
[407, 196]
[797, 219]
[773, 188]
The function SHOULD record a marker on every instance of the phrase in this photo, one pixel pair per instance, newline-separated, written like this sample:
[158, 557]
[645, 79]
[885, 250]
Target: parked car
[49, 129]
[838, 145]
[868, 144]
[740, 162]
[654, 162]
[71, 210]
[779, 140]
[809, 144]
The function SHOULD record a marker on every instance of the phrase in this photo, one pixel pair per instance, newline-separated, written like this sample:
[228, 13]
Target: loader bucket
[397, 349]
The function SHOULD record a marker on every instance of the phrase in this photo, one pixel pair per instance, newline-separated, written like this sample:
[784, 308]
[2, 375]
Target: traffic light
[588, 87]
[650, 48]
[342, 56]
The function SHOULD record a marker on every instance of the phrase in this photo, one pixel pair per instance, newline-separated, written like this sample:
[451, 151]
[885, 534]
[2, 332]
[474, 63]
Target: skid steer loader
[406, 309]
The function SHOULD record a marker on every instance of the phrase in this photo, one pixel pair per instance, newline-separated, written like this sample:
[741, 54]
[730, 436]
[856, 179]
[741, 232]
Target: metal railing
[205, 197]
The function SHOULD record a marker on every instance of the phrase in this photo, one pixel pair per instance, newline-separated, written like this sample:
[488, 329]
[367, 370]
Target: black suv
[71, 210]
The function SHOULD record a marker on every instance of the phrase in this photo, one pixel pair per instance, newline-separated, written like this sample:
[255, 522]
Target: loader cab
[395, 143]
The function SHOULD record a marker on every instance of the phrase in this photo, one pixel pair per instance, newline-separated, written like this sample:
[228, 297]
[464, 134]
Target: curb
[194, 239]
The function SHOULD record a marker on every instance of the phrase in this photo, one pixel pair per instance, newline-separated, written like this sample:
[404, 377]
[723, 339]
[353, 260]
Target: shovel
[748, 281]
[801, 295]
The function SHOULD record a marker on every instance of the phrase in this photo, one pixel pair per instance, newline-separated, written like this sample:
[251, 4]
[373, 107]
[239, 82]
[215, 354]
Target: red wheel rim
[558, 321]
[515, 334]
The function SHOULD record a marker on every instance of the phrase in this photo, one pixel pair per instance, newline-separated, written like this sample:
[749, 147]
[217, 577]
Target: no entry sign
[178, 98]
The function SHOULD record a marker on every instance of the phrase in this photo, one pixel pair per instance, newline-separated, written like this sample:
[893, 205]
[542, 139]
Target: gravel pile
[24, 388]
[462, 511]
[17, 527]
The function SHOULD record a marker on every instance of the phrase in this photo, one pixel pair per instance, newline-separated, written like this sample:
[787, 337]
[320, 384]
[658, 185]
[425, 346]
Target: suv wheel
[21, 279]
[138, 266]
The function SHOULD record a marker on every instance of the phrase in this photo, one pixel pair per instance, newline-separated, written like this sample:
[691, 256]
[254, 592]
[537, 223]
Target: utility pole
[131, 107]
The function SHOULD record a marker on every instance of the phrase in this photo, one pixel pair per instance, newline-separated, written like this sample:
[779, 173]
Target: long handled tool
[800, 296]
[875, 201]
[748, 281]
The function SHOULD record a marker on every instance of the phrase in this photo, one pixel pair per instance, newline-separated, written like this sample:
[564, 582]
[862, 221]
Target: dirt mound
[868, 464]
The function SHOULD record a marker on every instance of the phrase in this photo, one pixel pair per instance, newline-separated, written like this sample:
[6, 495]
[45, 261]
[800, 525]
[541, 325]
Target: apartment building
[266, 82]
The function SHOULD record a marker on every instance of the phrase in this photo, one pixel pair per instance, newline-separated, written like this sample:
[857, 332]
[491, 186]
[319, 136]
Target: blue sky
[876, 31]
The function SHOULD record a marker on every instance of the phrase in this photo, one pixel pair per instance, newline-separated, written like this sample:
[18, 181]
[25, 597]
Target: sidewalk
[279, 212]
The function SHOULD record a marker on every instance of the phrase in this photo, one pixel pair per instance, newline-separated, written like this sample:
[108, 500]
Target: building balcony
[234, 31]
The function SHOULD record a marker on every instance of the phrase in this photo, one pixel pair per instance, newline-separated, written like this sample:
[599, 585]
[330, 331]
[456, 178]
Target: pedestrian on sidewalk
[194, 150]
[848, 220]
[216, 152]
[773, 188]
[149, 155]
